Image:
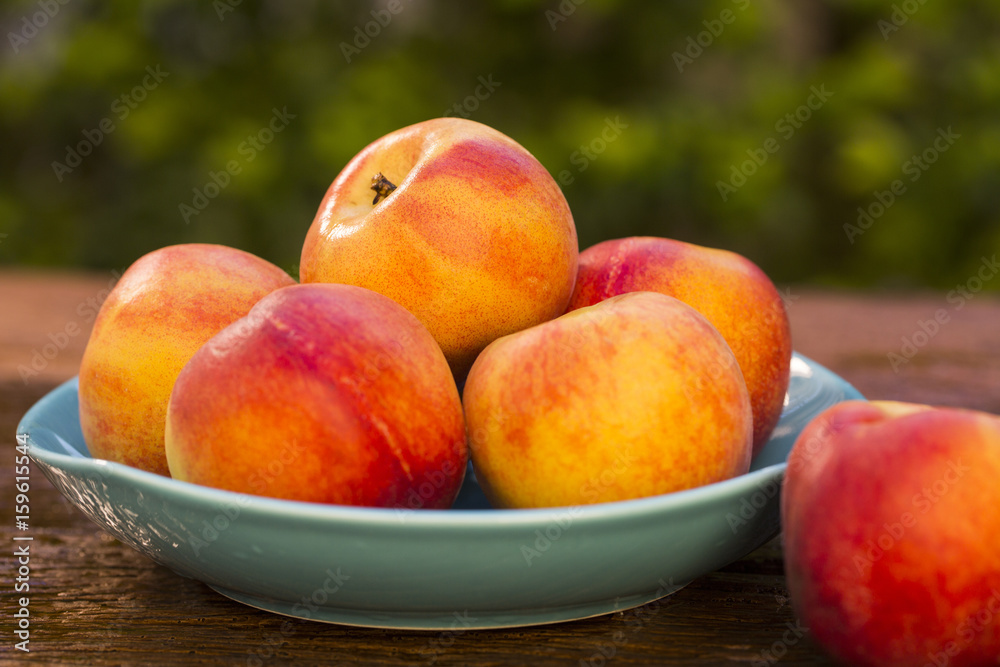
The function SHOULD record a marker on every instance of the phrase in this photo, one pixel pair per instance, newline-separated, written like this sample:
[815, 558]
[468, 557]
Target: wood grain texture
[94, 601]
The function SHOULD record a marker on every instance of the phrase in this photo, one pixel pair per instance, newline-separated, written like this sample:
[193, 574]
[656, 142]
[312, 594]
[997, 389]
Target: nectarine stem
[382, 187]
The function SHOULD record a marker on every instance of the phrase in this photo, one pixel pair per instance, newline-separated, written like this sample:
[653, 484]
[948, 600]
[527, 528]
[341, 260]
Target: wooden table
[94, 601]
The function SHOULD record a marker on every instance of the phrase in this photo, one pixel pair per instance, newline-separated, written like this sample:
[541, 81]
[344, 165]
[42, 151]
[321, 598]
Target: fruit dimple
[476, 240]
[382, 187]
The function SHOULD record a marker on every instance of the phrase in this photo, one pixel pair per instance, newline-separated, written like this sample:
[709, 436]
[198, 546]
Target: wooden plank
[94, 601]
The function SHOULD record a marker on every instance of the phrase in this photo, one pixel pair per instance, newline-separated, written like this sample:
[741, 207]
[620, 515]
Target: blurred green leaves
[560, 82]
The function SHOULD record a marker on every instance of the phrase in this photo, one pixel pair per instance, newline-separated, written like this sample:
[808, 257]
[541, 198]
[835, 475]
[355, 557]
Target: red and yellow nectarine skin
[728, 289]
[164, 307]
[610, 402]
[891, 517]
[477, 239]
[323, 393]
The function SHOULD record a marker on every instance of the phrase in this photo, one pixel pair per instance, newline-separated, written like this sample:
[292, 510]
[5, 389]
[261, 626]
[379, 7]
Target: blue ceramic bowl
[468, 567]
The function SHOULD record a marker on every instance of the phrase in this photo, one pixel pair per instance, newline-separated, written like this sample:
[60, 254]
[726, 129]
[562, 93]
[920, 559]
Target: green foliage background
[564, 69]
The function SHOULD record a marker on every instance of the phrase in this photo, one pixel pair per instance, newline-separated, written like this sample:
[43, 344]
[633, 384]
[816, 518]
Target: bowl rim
[485, 519]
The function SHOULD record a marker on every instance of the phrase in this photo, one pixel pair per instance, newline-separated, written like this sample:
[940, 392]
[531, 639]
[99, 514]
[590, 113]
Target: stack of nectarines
[444, 255]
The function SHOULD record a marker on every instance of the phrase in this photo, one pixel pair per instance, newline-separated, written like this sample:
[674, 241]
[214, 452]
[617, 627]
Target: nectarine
[164, 307]
[465, 229]
[322, 393]
[728, 289]
[607, 403]
[891, 517]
